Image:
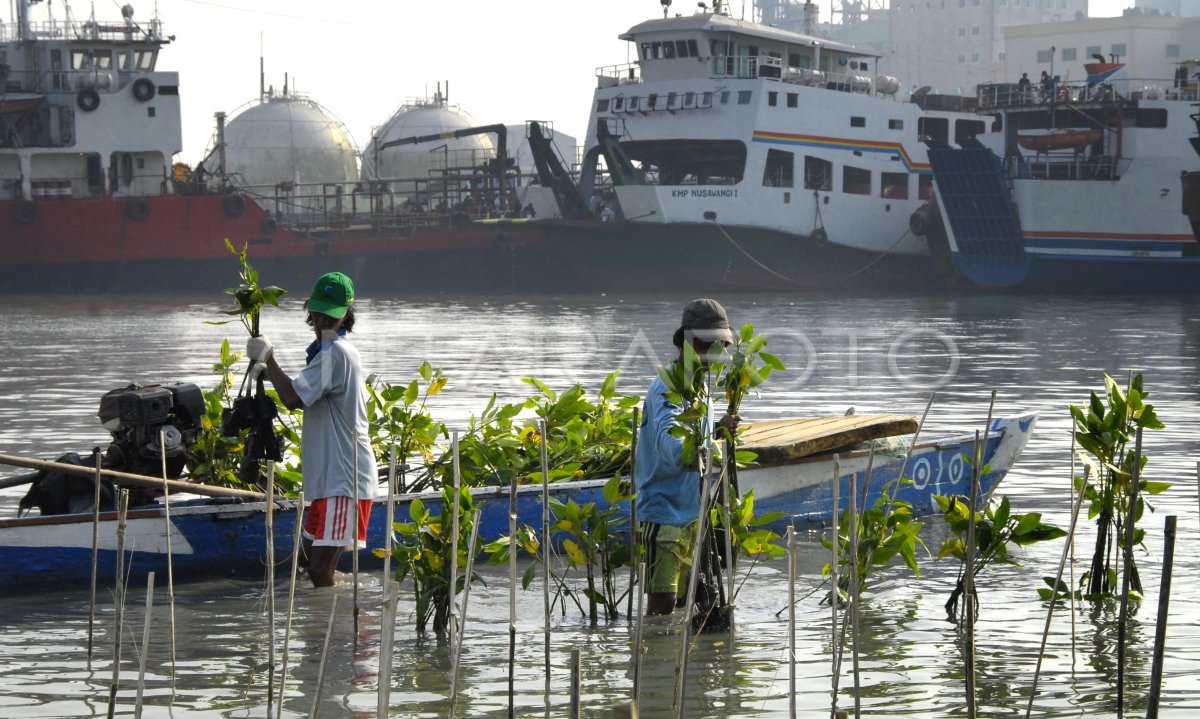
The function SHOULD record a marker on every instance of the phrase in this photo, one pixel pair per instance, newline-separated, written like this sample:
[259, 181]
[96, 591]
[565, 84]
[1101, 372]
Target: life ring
[234, 205]
[819, 238]
[137, 209]
[268, 225]
[87, 100]
[144, 89]
[24, 212]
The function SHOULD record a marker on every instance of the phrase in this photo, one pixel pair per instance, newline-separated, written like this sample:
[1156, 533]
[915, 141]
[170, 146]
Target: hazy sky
[504, 61]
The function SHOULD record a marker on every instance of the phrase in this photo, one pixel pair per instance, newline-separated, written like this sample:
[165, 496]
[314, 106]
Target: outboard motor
[143, 421]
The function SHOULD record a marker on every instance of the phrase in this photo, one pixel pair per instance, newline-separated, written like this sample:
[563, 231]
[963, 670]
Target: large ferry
[1090, 187]
[91, 199]
[734, 154]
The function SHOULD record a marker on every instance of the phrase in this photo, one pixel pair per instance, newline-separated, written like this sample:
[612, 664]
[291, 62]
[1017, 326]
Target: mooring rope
[749, 256]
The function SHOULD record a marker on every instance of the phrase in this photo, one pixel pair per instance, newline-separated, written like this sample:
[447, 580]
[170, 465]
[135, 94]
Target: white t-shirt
[333, 390]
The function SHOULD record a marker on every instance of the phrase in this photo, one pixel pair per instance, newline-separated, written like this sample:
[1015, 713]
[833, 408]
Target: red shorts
[330, 524]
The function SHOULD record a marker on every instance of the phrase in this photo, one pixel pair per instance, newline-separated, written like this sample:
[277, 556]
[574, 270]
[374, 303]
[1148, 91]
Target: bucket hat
[705, 320]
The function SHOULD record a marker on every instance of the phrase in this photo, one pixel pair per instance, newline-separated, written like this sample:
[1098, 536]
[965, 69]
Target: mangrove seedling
[1106, 430]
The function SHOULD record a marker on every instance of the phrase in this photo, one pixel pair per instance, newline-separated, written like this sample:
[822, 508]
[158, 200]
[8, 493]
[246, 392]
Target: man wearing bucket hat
[668, 493]
[334, 436]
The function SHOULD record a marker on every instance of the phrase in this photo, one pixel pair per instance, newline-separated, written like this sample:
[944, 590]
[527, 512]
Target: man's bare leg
[322, 561]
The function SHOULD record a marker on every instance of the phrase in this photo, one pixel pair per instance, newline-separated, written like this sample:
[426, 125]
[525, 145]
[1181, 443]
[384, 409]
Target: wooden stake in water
[389, 529]
[119, 595]
[166, 488]
[633, 520]
[95, 552]
[575, 682]
[270, 585]
[1160, 626]
[141, 686]
[454, 510]
[834, 593]
[681, 663]
[456, 649]
[1087, 471]
[853, 530]
[1127, 570]
[791, 553]
[546, 556]
[354, 538]
[387, 637]
[637, 637]
[969, 581]
[287, 632]
[316, 705]
[512, 596]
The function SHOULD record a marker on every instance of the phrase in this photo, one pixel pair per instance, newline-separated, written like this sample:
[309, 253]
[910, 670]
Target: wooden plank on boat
[781, 440]
[125, 479]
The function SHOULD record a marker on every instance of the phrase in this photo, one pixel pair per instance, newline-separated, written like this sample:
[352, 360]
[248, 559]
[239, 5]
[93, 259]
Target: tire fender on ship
[144, 89]
[268, 225]
[234, 205]
[24, 212]
[137, 209]
[88, 100]
[919, 221]
[819, 237]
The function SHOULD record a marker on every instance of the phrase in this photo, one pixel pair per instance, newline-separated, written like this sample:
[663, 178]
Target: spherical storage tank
[418, 118]
[289, 138]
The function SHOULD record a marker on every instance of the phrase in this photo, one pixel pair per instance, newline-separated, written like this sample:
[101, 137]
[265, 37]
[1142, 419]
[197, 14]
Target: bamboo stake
[1160, 626]
[95, 554]
[287, 632]
[1126, 570]
[969, 580]
[726, 489]
[137, 706]
[512, 596]
[162, 443]
[834, 594]
[119, 594]
[633, 520]
[270, 585]
[316, 705]
[575, 682]
[456, 656]
[1071, 546]
[546, 555]
[681, 663]
[387, 636]
[126, 479]
[1067, 549]
[853, 530]
[791, 553]
[454, 510]
[354, 539]
[637, 637]
[987, 430]
[390, 531]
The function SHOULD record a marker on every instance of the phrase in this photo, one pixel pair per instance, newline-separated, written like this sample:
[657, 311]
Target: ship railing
[1013, 95]
[116, 30]
[614, 75]
[1073, 167]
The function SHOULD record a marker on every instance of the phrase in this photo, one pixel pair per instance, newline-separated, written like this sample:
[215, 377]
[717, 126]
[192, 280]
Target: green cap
[332, 295]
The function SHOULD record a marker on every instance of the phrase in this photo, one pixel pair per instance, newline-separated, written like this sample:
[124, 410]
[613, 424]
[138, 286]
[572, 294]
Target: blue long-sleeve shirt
[667, 492]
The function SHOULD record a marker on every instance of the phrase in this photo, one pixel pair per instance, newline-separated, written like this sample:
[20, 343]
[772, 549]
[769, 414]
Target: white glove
[259, 349]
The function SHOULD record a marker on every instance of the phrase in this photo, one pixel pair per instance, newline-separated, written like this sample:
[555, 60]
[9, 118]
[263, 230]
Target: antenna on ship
[666, 4]
[811, 13]
[262, 72]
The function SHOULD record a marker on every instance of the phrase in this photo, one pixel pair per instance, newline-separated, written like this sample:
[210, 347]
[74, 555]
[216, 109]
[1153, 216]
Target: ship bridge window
[894, 185]
[102, 59]
[933, 128]
[690, 162]
[81, 60]
[779, 169]
[668, 50]
[145, 59]
[744, 97]
[856, 181]
[968, 129]
[602, 105]
[818, 174]
[124, 62]
[1151, 117]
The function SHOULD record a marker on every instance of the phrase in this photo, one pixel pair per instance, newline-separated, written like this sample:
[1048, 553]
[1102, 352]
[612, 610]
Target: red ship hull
[177, 242]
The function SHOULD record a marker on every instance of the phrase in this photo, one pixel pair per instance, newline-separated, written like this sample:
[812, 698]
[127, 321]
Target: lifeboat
[1076, 140]
[17, 102]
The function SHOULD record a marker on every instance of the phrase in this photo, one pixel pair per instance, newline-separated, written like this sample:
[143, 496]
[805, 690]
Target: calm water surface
[877, 355]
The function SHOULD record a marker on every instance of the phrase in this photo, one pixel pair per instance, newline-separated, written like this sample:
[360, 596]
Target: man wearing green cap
[334, 437]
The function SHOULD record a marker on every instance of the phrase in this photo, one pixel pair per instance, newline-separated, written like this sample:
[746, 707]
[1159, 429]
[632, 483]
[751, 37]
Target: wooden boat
[1063, 139]
[213, 538]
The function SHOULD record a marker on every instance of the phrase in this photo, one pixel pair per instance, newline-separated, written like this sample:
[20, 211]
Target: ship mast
[22, 20]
